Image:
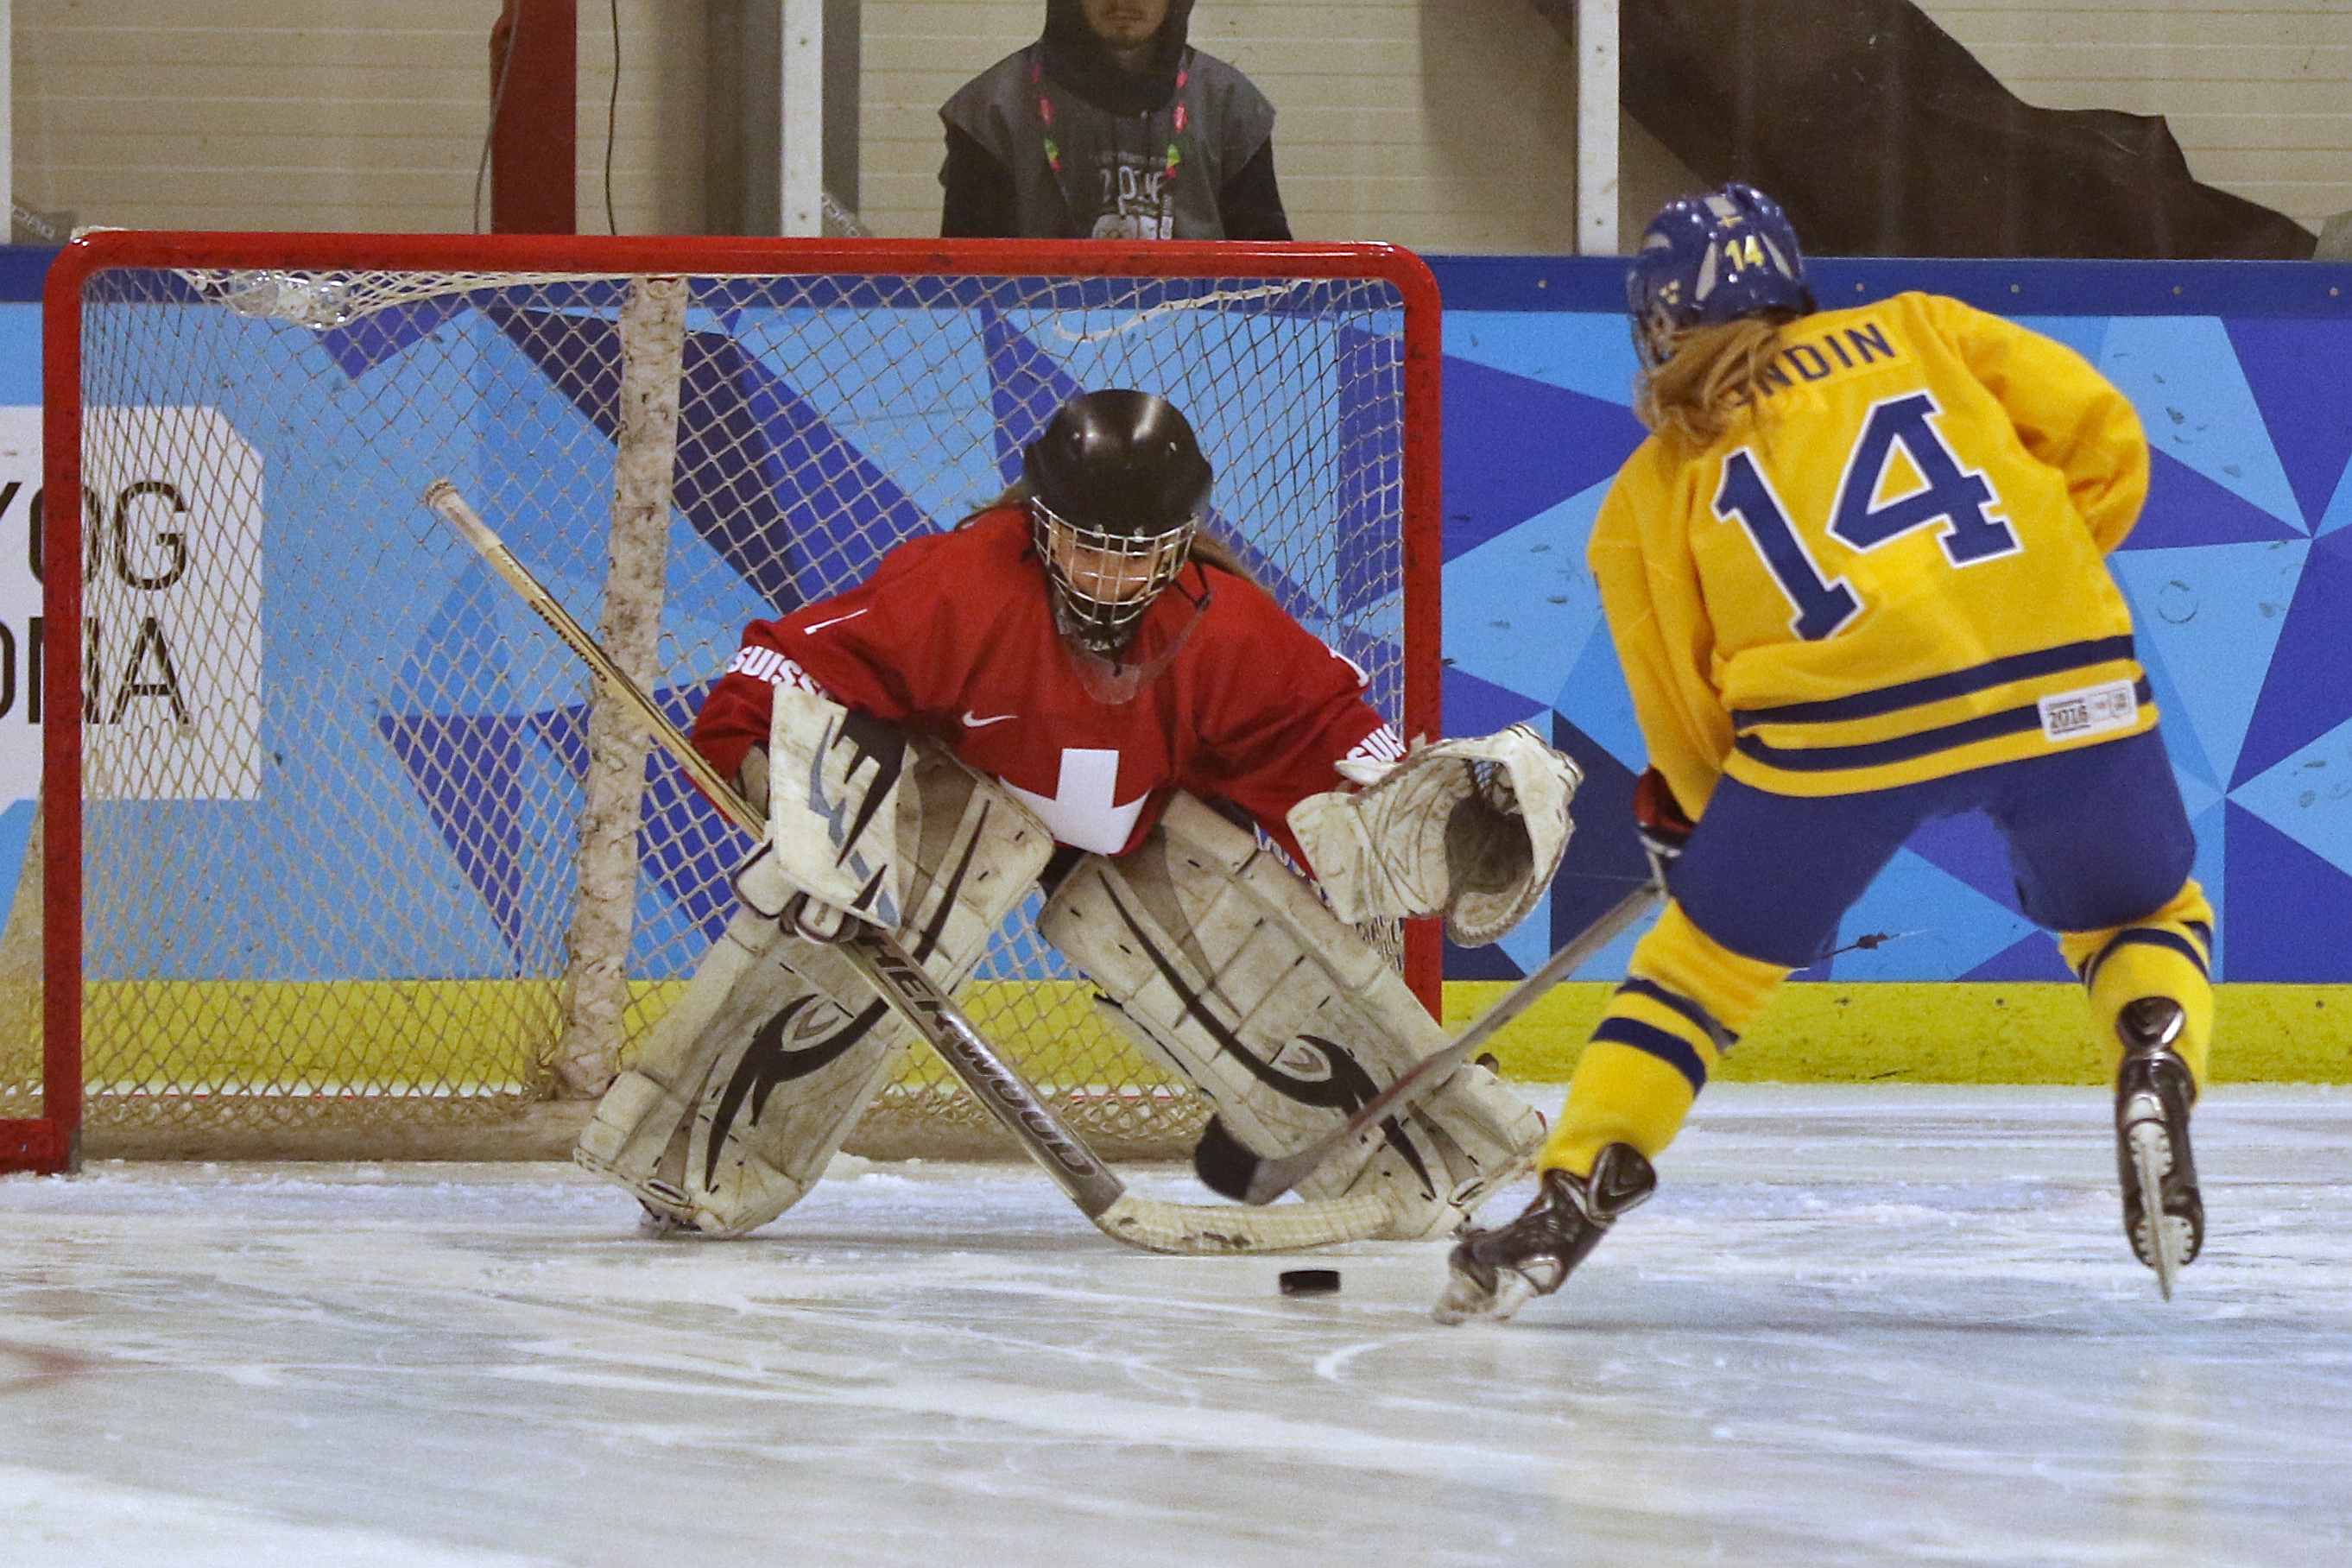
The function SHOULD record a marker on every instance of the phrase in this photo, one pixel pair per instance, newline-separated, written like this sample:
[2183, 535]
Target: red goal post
[357, 863]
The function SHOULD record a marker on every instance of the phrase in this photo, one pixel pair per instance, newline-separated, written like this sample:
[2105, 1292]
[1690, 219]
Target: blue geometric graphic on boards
[2184, 508]
[2306, 693]
[2307, 797]
[2087, 335]
[2339, 508]
[2187, 752]
[2289, 910]
[1539, 608]
[1597, 701]
[1603, 864]
[2184, 377]
[1889, 935]
[2213, 614]
[1516, 447]
[1575, 351]
[2296, 373]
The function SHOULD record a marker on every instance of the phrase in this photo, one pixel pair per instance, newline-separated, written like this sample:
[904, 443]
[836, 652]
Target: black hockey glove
[1660, 820]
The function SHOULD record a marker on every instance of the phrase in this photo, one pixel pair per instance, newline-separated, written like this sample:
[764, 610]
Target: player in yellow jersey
[1856, 579]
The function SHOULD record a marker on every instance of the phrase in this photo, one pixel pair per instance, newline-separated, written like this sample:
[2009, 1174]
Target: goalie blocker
[1219, 962]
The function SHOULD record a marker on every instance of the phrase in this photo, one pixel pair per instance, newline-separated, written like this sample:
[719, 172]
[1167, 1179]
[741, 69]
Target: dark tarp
[1882, 136]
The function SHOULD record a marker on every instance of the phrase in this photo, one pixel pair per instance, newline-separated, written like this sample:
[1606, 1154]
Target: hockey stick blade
[1261, 1179]
[930, 1012]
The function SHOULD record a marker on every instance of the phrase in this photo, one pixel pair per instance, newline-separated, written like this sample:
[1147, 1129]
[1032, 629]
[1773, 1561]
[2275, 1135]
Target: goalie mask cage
[345, 855]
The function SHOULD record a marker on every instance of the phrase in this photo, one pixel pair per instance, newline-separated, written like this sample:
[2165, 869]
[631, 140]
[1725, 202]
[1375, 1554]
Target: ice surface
[1856, 1326]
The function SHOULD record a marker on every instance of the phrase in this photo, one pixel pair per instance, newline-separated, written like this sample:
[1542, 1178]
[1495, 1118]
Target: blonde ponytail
[1712, 380]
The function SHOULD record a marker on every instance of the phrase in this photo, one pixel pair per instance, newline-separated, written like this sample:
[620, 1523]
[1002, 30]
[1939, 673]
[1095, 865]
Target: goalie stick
[1261, 1180]
[1152, 1224]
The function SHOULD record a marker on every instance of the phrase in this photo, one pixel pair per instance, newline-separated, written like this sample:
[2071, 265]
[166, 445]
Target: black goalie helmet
[1116, 484]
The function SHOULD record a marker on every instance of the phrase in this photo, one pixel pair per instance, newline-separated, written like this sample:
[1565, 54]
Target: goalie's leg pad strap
[1225, 969]
[750, 1083]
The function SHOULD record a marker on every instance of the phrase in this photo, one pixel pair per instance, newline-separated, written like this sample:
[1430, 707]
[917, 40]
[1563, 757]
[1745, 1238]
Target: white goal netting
[337, 778]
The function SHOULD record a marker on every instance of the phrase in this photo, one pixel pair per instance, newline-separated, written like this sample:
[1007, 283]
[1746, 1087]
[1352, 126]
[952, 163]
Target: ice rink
[1885, 1326]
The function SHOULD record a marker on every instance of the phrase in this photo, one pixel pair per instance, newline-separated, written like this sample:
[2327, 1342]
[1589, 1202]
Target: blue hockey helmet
[1710, 258]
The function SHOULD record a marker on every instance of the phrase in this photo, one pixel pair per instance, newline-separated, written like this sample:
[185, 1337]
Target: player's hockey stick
[1261, 1180]
[901, 982]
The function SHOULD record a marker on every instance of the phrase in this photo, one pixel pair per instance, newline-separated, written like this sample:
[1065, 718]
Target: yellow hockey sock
[1685, 1000]
[2170, 953]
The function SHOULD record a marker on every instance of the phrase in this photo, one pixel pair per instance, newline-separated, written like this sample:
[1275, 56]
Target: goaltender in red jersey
[1078, 692]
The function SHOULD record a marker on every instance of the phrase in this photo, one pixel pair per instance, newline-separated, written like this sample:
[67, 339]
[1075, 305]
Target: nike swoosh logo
[970, 722]
[836, 621]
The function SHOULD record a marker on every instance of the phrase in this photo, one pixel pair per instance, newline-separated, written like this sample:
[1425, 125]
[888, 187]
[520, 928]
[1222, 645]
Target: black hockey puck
[1310, 1281]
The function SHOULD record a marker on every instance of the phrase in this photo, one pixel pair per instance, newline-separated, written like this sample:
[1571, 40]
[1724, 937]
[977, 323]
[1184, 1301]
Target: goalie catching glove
[1474, 829]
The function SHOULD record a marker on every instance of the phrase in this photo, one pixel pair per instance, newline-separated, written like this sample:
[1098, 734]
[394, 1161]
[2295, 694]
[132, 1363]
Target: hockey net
[365, 867]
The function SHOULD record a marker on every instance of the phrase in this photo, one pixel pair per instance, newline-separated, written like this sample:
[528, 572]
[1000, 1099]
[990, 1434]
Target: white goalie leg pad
[840, 819]
[748, 1086]
[1224, 968]
[1474, 829]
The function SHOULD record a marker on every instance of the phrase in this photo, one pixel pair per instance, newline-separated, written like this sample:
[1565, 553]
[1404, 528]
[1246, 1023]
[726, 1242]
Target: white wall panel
[308, 114]
[2257, 93]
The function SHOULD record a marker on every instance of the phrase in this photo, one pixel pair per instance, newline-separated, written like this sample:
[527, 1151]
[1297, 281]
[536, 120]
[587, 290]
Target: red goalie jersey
[1221, 694]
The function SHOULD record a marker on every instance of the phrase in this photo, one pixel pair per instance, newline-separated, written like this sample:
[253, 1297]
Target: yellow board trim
[1940, 1032]
[464, 1036]
[497, 1035]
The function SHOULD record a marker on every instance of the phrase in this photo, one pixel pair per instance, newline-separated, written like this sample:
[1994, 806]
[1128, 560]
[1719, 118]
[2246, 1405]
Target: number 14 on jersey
[1957, 499]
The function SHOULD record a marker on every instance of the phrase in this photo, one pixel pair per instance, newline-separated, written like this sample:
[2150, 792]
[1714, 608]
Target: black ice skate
[2153, 1094]
[1493, 1273]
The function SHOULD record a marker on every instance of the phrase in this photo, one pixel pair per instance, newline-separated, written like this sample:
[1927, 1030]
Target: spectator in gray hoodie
[1110, 126]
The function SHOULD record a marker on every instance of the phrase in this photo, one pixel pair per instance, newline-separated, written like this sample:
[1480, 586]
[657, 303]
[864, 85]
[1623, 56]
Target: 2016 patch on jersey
[2094, 710]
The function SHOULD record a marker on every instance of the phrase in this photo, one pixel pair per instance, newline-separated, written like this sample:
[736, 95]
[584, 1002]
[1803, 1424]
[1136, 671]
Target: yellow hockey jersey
[1892, 571]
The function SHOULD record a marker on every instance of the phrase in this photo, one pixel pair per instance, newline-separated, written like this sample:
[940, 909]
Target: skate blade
[2163, 1240]
[1464, 1300]
[662, 1209]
